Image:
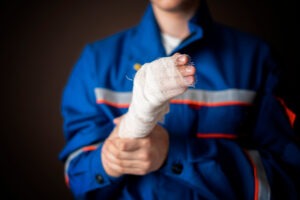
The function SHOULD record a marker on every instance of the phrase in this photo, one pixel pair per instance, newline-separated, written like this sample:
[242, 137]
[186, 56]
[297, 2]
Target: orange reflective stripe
[291, 115]
[74, 155]
[256, 183]
[89, 148]
[113, 98]
[191, 97]
[216, 136]
[67, 180]
[113, 104]
[262, 189]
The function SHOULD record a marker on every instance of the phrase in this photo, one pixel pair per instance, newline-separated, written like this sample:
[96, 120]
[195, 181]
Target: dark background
[39, 44]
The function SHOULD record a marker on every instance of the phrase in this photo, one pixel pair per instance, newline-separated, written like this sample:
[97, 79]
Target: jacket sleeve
[264, 163]
[85, 128]
[275, 137]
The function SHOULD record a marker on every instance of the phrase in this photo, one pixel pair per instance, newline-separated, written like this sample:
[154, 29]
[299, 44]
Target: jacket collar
[147, 44]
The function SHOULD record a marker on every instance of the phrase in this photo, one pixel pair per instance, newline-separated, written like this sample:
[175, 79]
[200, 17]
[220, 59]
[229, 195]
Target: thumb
[117, 120]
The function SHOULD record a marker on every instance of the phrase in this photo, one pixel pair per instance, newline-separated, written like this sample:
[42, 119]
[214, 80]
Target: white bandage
[154, 85]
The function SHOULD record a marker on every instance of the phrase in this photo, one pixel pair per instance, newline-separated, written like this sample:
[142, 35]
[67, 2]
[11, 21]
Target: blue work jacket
[231, 137]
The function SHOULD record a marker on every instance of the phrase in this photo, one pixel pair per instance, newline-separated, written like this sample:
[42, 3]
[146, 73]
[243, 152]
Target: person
[178, 107]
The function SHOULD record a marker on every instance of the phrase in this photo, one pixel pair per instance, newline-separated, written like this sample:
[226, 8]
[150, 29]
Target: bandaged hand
[155, 84]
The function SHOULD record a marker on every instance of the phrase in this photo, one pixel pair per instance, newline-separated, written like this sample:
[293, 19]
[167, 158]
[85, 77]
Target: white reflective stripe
[229, 95]
[264, 190]
[70, 158]
[113, 96]
[75, 154]
[201, 96]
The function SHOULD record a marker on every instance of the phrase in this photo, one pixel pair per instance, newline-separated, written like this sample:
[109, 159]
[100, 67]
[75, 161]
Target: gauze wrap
[153, 87]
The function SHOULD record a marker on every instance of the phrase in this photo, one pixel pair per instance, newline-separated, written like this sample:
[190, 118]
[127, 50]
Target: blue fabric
[210, 168]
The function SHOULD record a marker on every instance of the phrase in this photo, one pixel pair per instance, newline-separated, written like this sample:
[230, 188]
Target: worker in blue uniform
[230, 136]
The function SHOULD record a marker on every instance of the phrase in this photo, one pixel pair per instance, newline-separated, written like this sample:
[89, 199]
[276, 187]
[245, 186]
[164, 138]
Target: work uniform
[231, 137]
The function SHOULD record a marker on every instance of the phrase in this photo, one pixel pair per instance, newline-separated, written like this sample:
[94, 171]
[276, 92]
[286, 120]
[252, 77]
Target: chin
[172, 5]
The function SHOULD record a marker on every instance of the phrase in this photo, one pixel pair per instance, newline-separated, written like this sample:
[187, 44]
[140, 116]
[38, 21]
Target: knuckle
[118, 168]
[118, 155]
[146, 156]
[147, 166]
[147, 143]
[122, 146]
[118, 162]
[109, 146]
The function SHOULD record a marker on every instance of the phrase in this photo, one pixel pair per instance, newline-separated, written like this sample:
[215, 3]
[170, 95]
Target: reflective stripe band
[291, 115]
[112, 98]
[216, 136]
[74, 155]
[216, 98]
[191, 97]
[262, 189]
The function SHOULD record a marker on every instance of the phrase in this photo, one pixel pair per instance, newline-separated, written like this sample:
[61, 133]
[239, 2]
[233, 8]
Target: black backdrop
[41, 40]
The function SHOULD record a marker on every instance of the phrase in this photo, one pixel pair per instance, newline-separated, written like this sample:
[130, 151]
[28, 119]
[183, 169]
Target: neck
[175, 22]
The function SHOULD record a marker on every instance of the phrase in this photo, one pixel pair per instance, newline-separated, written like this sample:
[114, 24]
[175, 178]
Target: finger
[126, 164]
[190, 80]
[134, 168]
[122, 165]
[128, 144]
[187, 70]
[182, 59]
[128, 170]
[115, 152]
[111, 167]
